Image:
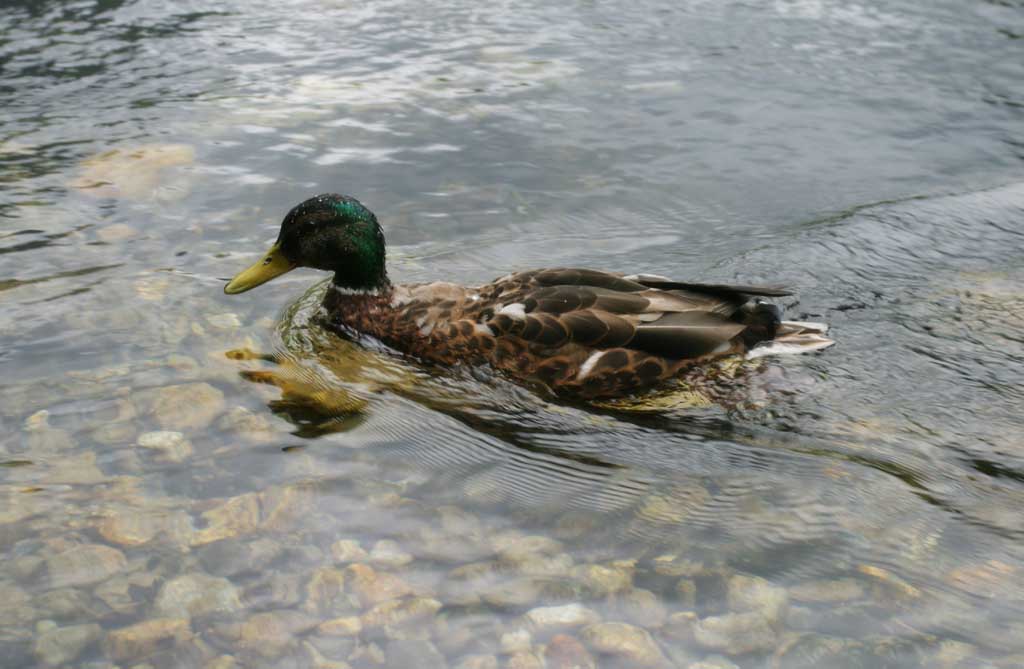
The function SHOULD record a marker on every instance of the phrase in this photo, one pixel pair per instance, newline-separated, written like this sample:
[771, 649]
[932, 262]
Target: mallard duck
[578, 332]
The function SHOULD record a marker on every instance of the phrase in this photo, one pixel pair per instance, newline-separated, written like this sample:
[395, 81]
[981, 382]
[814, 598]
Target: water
[160, 507]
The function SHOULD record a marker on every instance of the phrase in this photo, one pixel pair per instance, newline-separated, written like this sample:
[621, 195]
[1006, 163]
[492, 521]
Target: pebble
[325, 593]
[231, 556]
[735, 633]
[839, 590]
[388, 554]
[188, 406]
[602, 580]
[566, 652]
[172, 446]
[141, 639]
[625, 641]
[55, 646]
[550, 618]
[116, 232]
[348, 550]
[413, 654]
[233, 517]
[84, 565]
[478, 662]
[346, 626]
[516, 641]
[197, 595]
[752, 593]
[524, 660]
[268, 633]
[372, 587]
[713, 662]
[225, 321]
[399, 612]
[135, 527]
[640, 607]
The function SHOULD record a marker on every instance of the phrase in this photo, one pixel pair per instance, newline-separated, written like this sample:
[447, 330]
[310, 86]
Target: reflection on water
[192, 481]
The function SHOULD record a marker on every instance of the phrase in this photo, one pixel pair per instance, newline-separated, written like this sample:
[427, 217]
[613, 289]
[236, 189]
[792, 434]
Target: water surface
[854, 508]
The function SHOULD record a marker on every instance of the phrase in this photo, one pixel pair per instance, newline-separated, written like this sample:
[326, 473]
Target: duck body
[578, 332]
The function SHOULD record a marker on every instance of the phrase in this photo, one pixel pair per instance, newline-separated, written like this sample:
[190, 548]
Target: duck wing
[602, 310]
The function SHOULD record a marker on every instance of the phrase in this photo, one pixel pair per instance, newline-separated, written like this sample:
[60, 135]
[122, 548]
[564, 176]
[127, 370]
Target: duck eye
[268, 260]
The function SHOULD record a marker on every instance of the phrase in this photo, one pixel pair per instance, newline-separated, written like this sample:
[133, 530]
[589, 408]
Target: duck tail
[793, 337]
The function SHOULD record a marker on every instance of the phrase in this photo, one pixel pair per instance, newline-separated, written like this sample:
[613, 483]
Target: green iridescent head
[331, 232]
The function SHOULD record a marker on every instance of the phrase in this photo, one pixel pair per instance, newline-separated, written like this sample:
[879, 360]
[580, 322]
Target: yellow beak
[273, 264]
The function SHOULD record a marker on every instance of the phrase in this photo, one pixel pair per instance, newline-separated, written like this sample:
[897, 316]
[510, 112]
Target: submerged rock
[136, 173]
[413, 654]
[84, 565]
[547, 619]
[135, 527]
[735, 633]
[751, 593]
[372, 587]
[142, 639]
[388, 554]
[348, 550]
[839, 590]
[171, 446]
[345, 626]
[268, 633]
[325, 593]
[603, 580]
[478, 662]
[231, 518]
[641, 607]
[566, 652]
[229, 557]
[55, 646]
[197, 595]
[399, 612]
[627, 642]
[189, 406]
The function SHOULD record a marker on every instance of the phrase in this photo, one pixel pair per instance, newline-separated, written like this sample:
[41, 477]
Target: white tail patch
[794, 337]
[516, 310]
[588, 364]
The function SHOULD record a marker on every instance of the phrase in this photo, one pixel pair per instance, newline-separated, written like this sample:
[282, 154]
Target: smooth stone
[325, 593]
[679, 625]
[388, 554]
[348, 550]
[61, 645]
[413, 654]
[641, 607]
[952, 653]
[333, 646]
[253, 426]
[268, 633]
[62, 603]
[189, 406]
[197, 595]
[84, 565]
[548, 618]
[839, 590]
[813, 651]
[735, 633]
[686, 593]
[752, 593]
[374, 587]
[675, 566]
[276, 589]
[317, 660]
[230, 557]
[624, 641]
[222, 662]
[512, 593]
[225, 321]
[515, 548]
[566, 652]
[399, 612]
[516, 641]
[346, 626]
[172, 446]
[78, 469]
[603, 580]
[233, 517]
[135, 527]
[141, 639]
[120, 593]
[17, 609]
[547, 566]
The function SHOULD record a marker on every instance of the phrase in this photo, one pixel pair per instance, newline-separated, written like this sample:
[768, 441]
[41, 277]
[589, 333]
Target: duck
[582, 333]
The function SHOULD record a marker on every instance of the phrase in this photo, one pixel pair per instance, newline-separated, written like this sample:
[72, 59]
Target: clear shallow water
[158, 507]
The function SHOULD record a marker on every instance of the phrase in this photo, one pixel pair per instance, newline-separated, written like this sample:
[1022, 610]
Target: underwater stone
[325, 593]
[566, 652]
[602, 580]
[270, 632]
[197, 595]
[189, 406]
[235, 516]
[524, 660]
[348, 550]
[550, 618]
[673, 565]
[84, 565]
[61, 645]
[399, 612]
[372, 587]
[229, 557]
[346, 626]
[516, 641]
[141, 639]
[839, 590]
[116, 232]
[735, 633]
[713, 662]
[641, 607]
[387, 553]
[752, 593]
[173, 446]
[132, 527]
[625, 641]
